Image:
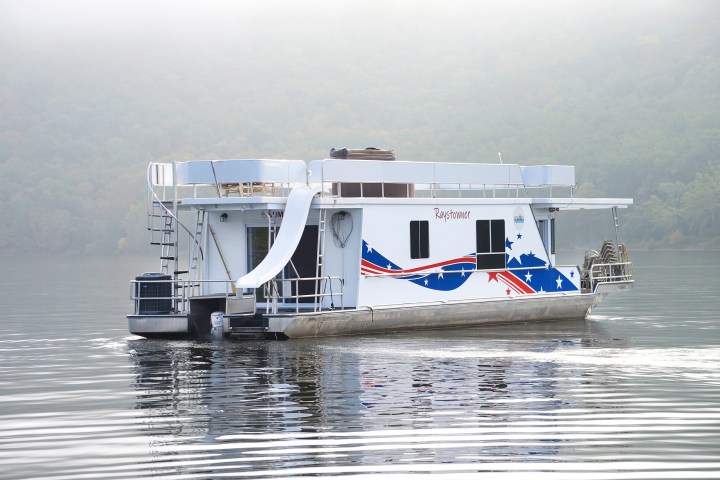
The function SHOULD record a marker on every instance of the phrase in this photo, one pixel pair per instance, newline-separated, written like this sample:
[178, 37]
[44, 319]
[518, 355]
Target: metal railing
[172, 296]
[379, 178]
[280, 292]
[165, 297]
[359, 178]
[610, 272]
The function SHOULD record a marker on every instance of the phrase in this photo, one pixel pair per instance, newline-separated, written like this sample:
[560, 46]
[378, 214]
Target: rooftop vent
[370, 153]
[397, 190]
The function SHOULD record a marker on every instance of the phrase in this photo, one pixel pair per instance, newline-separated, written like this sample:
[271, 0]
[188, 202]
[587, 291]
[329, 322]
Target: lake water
[631, 392]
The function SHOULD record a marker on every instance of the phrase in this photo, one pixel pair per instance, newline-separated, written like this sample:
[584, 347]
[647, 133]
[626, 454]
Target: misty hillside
[90, 92]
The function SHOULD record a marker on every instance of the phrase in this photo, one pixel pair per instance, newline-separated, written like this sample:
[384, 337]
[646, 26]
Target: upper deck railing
[264, 177]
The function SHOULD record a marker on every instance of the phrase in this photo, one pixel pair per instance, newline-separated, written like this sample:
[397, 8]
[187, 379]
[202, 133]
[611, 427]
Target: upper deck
[247, 181]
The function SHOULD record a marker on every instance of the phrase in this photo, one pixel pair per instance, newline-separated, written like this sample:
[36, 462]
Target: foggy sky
[49, 22]
[406, 37]
[323, 59]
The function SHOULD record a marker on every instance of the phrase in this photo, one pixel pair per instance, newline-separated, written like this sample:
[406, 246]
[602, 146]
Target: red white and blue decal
[447, 275]
[525, 273]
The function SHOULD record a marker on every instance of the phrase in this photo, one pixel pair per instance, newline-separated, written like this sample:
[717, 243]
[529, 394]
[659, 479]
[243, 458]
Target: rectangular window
[419, 239]
[547, 233]
[490, 243]
[258, 246]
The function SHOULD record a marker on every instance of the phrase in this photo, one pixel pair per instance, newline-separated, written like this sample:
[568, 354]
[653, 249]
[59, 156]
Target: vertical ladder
[168, 243]
[320, 258]
[163, 232]
[190, 287]
[196, 249]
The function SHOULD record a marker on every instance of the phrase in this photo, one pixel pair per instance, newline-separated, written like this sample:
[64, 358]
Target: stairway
[163, 232]
[164, 226]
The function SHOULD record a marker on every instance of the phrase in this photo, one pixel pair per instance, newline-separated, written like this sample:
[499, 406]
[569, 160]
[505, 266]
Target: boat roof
[266, 182]
[209, 172]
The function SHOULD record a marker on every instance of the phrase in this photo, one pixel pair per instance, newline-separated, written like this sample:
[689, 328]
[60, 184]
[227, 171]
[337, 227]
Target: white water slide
[291, 230]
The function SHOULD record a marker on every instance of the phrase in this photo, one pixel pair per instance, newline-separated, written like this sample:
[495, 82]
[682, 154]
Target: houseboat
[363, 243]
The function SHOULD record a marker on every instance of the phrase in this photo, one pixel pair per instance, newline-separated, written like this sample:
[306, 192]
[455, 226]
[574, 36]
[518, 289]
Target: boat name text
[452, 214]
[272, 213]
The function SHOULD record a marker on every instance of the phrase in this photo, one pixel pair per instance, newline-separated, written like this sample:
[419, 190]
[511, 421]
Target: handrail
[601, 273]
[476, 178]
[460, 176]
[167, 210]
[217, 184]
[456, 176]
[274, 294]
[184, 291]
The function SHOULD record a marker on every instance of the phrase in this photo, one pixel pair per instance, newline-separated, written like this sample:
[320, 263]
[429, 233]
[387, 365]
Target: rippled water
[631, 392]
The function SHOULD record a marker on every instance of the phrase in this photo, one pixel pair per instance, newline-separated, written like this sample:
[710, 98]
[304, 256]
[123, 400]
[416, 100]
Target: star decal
[519, 236]
[572, 274]
[462, 272]
[559, 282]
[517, 256]
[389, 267]
[507, 291]
[426, 282]
[369, 248]
[528, 277]
[492, 276]
[508, 243]
[440, 275]
[541, 290]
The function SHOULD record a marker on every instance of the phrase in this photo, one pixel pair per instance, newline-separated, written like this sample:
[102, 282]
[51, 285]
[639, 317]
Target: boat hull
[441, 315]
[161, 326]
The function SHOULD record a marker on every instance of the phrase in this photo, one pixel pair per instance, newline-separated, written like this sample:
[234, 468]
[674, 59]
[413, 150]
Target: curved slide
[291, 229]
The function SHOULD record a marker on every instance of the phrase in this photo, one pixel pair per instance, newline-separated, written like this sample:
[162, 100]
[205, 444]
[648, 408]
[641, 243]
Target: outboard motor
[216, 325]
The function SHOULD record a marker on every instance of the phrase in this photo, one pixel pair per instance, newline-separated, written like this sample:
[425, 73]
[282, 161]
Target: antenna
[500, 157]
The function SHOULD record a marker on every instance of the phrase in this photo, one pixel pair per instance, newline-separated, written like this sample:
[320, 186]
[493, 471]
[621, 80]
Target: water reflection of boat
[363, 243]
[488, 393]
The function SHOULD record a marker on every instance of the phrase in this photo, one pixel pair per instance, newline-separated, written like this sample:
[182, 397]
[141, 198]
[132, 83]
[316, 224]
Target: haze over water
[631, 392]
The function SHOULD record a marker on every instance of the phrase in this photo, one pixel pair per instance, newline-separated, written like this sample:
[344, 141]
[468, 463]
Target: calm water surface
[631, 392]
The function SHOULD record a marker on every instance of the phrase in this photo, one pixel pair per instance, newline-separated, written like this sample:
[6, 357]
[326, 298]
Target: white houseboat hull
[424, 316]
[430, 316]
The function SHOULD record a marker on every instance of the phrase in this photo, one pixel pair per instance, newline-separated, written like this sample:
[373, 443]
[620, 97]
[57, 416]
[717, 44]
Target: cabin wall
[230, 239]
[234, 239]
[448, 272]
[381, 265]
[344, 261]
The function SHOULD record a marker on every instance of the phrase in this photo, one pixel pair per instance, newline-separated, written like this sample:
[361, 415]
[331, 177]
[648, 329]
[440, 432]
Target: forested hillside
[626, 91]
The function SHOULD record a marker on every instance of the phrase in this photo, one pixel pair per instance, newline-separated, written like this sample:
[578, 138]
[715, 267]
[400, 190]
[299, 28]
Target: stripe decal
[535, 277]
